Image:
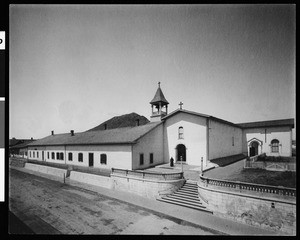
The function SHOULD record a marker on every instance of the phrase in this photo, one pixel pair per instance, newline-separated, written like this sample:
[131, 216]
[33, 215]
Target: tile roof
[126, 135]
[126, 120]
[21, 145]
[271, 123]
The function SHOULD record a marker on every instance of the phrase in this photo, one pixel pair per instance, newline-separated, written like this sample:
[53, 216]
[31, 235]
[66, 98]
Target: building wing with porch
[183, 135]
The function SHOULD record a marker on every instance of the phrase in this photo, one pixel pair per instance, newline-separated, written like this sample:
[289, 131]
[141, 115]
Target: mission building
[183, 135]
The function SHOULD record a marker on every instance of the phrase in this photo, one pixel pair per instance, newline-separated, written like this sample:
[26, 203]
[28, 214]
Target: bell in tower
[159, 105]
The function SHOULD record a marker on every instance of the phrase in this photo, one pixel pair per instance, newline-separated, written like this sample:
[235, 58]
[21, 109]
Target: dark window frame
[70, 156]
[103, 159]
[141, 158]
[151, 157]
[275, 146]
[180, 133]
[80, 157]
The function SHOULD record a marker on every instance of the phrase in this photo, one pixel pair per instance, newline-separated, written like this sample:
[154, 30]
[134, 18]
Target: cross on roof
[159, 84]
[180, 105]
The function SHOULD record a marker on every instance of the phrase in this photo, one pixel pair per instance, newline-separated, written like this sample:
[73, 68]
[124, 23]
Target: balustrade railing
[147, 174]
[249, 186]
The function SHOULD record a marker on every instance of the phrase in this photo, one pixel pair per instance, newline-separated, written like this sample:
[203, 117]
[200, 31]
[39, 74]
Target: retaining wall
[146, 187]
[266, 210]
[96, 180]
[47, 170]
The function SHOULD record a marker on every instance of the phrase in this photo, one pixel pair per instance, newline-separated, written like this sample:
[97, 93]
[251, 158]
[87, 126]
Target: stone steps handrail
[249, 186]
[147, 175]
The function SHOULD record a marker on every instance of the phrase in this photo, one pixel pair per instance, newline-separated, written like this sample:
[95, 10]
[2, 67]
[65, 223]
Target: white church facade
[182, 135]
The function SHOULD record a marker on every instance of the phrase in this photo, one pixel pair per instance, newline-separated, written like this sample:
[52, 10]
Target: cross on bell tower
[159, 102]
[180, 105]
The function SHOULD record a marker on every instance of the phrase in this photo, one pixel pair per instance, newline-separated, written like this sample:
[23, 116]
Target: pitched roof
[21, 145]
[159, 97]
[126, 120]
[200, 115]
[14, 141]
[271, 123]
[128, 135]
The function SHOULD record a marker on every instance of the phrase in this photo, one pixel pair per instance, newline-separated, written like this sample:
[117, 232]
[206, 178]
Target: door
[91, 159]
[181, 153]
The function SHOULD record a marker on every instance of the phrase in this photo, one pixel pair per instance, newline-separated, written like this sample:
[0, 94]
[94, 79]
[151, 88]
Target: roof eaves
[224, 121]
[135, 141]
[80, 144]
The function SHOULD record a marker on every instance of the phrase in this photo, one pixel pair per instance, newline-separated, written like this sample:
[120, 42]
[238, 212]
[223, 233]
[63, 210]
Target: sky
[76, 66]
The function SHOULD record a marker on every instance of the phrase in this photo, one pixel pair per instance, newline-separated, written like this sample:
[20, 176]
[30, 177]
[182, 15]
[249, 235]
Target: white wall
[282, 134]
[118, 156]
[220, 140]
[194, 128]
[152, 142]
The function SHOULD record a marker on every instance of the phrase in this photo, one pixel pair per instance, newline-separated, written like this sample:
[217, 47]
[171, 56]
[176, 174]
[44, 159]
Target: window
[232, 141]
[141, 158]
[53, 155]
[274, 146]
[103, 158]
[57, 156]
[151, 158]
[180, 133]
[29, 153]
[61, 156]
[48, 155]
[80, 157]
[33, 154]
[70, 157]
[37, 154]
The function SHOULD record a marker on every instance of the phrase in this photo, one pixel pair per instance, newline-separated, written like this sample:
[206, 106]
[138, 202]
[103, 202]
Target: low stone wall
[262, 206]
[271, 166]
[96, 180]
[149, 188]
[47, 170]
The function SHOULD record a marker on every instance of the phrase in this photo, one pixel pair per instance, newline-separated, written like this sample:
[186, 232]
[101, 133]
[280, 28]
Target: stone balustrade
[147, 174]
[249, 186]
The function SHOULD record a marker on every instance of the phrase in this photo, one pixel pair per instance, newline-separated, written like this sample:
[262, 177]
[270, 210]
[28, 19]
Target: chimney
[72, 132]
[105, 126]
[52, 132]
[137, 122]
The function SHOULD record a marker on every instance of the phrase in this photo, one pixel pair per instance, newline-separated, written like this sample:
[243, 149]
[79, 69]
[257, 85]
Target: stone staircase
[186, 196]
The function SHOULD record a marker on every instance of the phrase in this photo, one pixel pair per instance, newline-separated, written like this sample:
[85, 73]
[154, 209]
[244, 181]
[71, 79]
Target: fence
[249, 186]
[147, 174]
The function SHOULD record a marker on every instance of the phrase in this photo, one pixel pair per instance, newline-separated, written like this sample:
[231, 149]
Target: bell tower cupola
[160, 105]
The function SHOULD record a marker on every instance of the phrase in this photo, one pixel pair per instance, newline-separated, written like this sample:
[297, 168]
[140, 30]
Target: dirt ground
[57, 208]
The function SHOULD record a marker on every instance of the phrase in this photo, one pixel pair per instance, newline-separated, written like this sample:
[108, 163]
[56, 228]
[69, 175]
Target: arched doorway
[181, 153]
[253, 151]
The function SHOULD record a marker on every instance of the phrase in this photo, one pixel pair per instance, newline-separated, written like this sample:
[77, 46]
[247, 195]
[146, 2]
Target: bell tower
[160, 104]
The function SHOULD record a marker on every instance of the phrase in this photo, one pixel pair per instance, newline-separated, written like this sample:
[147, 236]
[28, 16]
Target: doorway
[181, 153]
[91, 159]
[253, 151]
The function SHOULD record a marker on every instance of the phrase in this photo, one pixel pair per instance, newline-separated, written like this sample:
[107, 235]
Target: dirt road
[56, 208]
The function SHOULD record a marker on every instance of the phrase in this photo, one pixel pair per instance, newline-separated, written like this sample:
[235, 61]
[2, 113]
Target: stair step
[186, 194]
[185, 197]
[187, 200]
[198, 204]
[201, 208]
[188, 191]
[188, 187]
